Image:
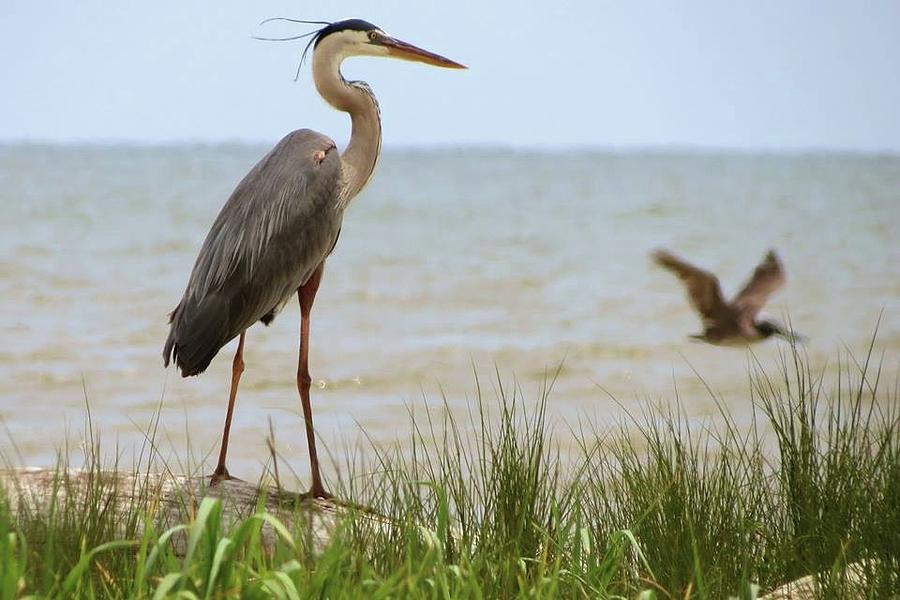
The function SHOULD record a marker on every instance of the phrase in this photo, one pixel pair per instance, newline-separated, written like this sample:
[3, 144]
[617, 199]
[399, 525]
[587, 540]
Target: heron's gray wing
[277, 227]
[702, 287]
[767, 277]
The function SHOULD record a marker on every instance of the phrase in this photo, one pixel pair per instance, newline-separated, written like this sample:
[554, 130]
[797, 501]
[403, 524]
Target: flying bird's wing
[279, 224]
[768, 277]
[702, 287]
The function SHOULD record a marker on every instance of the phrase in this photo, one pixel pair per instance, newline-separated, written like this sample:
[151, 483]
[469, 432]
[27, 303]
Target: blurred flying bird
[272, 237]
[735, 322]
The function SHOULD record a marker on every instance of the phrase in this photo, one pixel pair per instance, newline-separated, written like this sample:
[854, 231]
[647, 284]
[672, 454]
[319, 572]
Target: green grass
[660, 506]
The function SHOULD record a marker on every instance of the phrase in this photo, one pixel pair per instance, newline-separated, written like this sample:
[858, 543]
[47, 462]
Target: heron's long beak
[405, 51]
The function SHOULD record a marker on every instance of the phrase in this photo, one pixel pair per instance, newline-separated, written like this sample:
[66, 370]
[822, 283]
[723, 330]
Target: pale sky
[769, 75]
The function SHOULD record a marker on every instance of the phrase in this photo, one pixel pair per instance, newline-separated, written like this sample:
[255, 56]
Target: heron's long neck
[359, 158]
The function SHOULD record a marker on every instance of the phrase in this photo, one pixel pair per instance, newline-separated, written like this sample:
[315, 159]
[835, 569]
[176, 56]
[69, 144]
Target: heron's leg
[237, 367]
[307, 294]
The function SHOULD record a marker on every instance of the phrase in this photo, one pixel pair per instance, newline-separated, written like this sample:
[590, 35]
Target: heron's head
[355, 37]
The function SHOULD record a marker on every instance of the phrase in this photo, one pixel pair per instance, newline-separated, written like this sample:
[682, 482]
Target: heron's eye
[373, 35]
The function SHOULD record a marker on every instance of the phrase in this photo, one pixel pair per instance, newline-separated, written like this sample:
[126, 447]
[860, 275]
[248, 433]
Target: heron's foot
[317, 492]
[220, 474]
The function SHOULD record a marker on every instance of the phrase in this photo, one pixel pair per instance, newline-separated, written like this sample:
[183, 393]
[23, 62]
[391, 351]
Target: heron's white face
[375, 42]
[351, 42]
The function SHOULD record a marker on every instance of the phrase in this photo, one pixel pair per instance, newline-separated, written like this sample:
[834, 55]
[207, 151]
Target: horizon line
[551, 148]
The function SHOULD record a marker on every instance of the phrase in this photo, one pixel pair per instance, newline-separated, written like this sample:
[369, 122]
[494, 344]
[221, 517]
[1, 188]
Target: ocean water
[450, 263]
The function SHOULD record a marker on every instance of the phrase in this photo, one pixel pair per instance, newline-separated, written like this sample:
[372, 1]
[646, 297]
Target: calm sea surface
[449, 262]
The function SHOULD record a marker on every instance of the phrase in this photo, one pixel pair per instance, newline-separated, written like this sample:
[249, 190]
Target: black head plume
[345, 25]
[317, 35]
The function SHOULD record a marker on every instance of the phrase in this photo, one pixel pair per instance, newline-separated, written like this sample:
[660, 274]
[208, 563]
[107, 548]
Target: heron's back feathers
[278, 226]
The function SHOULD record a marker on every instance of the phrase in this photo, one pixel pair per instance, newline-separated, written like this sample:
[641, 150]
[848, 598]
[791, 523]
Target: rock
[173, 499]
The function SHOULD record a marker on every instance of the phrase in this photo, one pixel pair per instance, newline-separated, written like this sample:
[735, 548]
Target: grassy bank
[488, 509]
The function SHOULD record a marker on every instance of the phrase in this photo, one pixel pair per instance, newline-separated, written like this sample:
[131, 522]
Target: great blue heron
[274, 233]
[735, 322]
